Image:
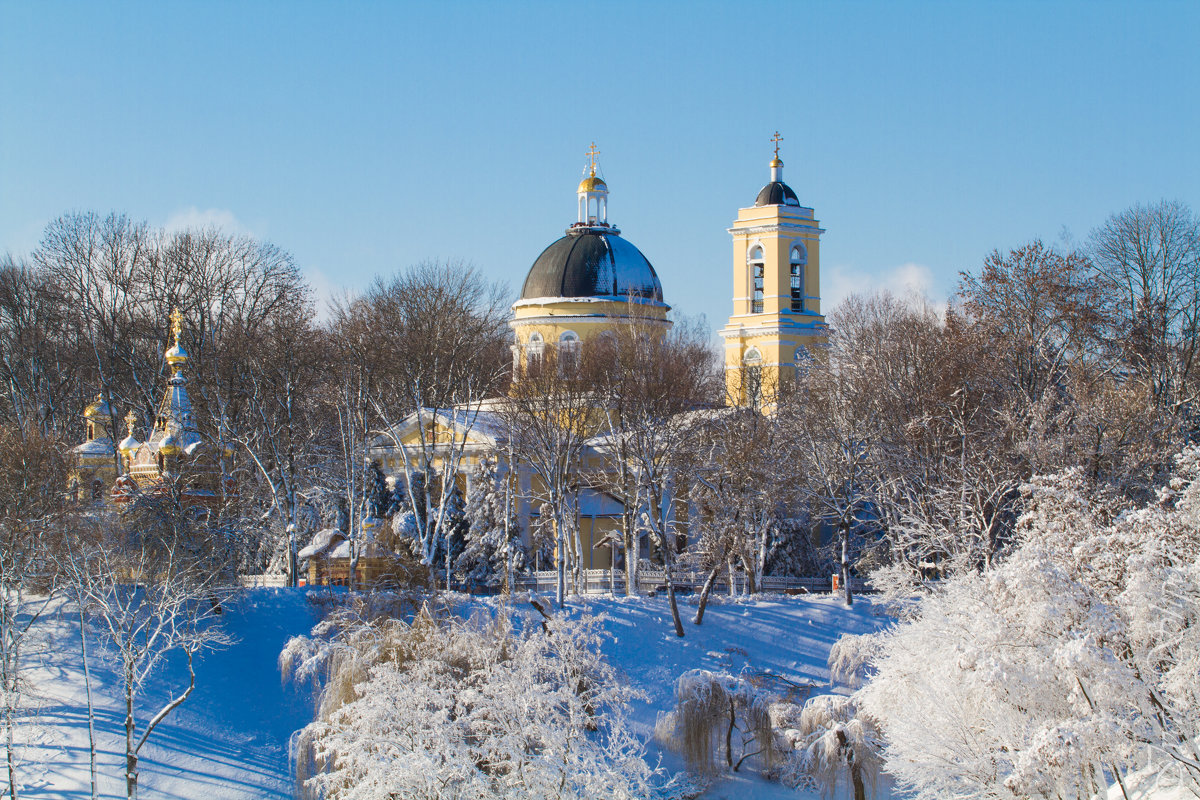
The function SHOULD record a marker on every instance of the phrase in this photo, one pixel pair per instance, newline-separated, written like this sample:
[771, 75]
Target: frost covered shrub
[850, 658]
[718, 717]
[825, 741]
[722, 721]
[449, 708]
[1072, 662]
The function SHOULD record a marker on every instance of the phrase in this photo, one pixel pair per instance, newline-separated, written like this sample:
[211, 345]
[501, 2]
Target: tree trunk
[87, 689]
[131, 758]
[860, 791]
[709, 582]
[670, 576]
[846, 565]
[12, 767]
[560, 557]
[448, 571]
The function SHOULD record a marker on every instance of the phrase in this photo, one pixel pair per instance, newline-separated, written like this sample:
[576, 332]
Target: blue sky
[364, 137]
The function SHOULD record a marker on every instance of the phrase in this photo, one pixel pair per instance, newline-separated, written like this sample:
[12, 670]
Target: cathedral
[591, 280]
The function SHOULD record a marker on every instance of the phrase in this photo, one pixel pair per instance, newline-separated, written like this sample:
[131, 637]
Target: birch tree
[155, 580]
[32, 488]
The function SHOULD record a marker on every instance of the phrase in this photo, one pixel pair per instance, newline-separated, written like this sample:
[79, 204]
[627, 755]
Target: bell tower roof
[776, 193]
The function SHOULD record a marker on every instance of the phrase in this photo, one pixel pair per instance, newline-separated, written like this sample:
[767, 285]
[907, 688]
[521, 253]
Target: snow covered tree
[718, 718]
[452, 530]
[493, 553]
[154, 581]
[447, 708]
[1061, 668]
[826, 740]
[32, 490]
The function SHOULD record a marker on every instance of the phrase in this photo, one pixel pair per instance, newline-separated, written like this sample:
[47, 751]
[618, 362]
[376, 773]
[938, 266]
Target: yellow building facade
[776, 326]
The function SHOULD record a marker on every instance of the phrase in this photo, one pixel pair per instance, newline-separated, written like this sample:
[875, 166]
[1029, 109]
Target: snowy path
[227, 742]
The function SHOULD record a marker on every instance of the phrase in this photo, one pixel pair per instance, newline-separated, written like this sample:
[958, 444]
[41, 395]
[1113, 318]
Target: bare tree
[1148, 256]
[38, 368]
[648, 381]
[548, 416]
[155, 580]
[441, 331]
[282, 376]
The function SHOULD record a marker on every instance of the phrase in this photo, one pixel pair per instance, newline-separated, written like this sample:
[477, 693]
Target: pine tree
[493, 550]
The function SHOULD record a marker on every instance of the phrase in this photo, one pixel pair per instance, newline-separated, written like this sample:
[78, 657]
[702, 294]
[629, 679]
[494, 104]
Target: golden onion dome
[169, 446]
[130, 442]
[98, 409]
[776, 163]
[176, 355]
[128, 445]
[592, 184]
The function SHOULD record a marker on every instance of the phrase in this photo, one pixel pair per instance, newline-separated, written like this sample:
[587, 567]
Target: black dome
[777, 193]
[592, 263]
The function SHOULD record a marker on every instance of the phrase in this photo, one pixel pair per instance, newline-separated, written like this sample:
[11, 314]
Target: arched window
[568, 351]
[534, 350]
[757, 272]
[798, 261]
[752, 377]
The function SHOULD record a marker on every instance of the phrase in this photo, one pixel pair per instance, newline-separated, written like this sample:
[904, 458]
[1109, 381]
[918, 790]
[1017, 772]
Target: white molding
[560, 319]
[758, 230]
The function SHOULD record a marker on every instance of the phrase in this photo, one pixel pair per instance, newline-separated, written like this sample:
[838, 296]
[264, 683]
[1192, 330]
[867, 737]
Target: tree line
[900, 451]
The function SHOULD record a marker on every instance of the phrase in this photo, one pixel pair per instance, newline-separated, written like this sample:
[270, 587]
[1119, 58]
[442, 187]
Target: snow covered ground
[785, 636]
[229, 740]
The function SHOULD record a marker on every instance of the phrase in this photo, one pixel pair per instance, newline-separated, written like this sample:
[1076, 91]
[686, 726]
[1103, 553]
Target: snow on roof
[96, 447]
[332, 543]
[473, 419]
[321, 541]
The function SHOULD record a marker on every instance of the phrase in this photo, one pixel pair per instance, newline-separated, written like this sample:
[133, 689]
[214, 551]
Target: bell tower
[776, 325]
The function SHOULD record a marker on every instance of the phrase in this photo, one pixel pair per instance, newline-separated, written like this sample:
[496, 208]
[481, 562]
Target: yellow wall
[586, 317]
[776, 332]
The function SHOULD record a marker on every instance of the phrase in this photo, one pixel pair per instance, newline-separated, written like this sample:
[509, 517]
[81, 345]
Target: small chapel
[174, 454]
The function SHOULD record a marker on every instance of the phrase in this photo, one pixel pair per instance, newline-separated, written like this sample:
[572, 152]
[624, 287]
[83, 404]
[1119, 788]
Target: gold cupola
[130, 443]
[593, 195]
[176, 356]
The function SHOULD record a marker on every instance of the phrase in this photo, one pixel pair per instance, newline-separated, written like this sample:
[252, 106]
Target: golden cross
[131, 420]
[591, 154]
[777, 139]
[176, 324]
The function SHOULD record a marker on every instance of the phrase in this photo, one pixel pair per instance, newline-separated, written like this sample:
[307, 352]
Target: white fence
[254, 581]
[602, 581]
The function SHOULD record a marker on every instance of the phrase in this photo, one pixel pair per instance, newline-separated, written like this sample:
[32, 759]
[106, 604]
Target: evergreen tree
[490, 545]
